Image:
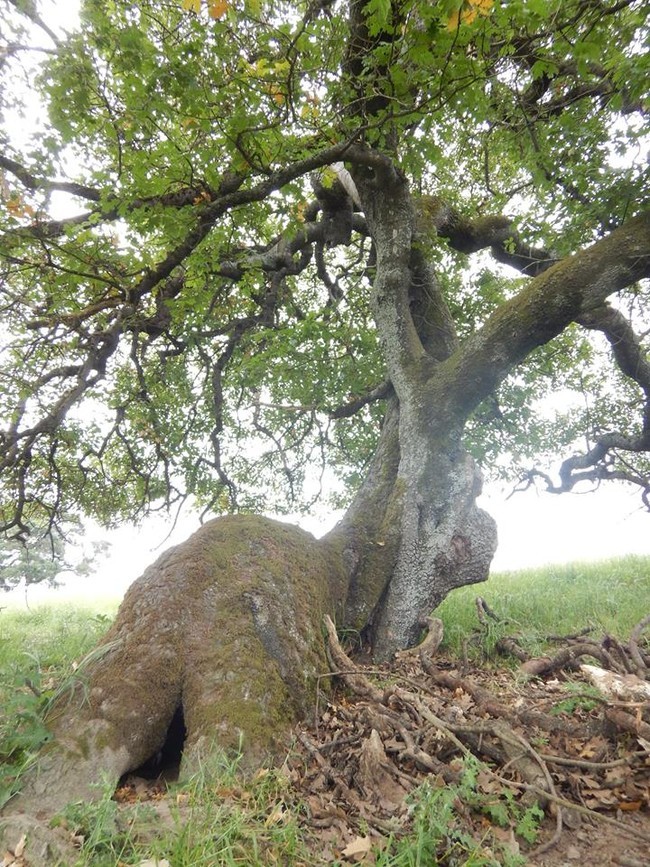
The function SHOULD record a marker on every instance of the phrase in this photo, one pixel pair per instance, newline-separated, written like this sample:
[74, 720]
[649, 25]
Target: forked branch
[608, 458]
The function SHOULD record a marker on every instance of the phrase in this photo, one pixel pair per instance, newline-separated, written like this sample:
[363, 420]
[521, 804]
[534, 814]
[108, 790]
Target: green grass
[40, 653]
[216, 818]
[54, 635]
[612, 596]
[213, 819]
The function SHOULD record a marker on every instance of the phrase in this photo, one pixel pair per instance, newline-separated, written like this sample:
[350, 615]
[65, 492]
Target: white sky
[534, 528]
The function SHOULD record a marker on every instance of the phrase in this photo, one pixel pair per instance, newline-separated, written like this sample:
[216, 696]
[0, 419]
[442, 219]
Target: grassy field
[612, 596]
[223, 823]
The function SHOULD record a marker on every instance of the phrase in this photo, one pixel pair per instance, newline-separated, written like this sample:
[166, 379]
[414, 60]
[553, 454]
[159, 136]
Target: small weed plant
[438, 836]
[22, 730]
[102, 830]
[580, 696]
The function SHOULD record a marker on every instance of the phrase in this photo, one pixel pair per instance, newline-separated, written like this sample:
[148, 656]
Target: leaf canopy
[178, 319]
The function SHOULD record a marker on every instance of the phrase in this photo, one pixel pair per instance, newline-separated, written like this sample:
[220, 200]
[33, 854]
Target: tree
[34, 561]
[316, 240]
[40, 557]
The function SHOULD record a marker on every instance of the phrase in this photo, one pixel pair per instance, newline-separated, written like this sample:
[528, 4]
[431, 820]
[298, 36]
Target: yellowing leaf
[191, 6]
[17, 207]
[217, 8]
[468, 12]
[276, 93]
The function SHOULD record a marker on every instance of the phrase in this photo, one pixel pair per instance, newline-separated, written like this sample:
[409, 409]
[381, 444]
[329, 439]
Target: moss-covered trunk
[226, 627]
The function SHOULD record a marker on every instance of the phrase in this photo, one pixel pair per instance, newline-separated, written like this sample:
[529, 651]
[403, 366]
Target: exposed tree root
[612, 654]
[395, 727]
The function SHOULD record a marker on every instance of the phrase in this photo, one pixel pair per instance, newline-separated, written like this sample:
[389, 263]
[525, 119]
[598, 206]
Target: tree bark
[442, 539]
[227, 628]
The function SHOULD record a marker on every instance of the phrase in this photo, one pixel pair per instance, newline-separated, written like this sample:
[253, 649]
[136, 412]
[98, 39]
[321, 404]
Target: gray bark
[444, 539]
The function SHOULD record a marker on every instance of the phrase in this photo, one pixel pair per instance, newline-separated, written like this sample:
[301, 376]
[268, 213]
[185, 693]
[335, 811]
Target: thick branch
[495, 231]
[369, 78]
[562, 294]
[567, 93]
[391, 220]
[31, 182]
[380, 392]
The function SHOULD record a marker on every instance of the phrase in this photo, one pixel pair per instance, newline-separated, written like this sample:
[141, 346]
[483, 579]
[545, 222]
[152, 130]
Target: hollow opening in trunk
[165, 764]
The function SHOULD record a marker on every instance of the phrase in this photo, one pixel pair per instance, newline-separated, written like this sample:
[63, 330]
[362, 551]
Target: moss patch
[229, 625]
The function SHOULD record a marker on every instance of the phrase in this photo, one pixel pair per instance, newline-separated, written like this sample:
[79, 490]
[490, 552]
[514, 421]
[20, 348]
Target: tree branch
[380, 392]
[603, 460]
[29, 10]
[570, 289]
[496, 231]
[31, 182]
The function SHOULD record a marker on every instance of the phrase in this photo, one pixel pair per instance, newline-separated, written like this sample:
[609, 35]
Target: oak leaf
[357, 849]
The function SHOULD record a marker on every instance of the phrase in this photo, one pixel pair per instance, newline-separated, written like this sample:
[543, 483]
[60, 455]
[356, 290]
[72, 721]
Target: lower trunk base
[218, 644]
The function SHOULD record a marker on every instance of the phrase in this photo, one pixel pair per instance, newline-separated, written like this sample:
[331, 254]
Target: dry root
[397, 726]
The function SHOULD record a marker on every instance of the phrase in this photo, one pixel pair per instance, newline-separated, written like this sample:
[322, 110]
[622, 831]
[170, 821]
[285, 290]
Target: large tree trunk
[225, 629]
[439, 538]
[446, 541]
[413, 532]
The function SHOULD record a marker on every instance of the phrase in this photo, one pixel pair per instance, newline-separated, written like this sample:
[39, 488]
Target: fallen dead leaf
[14, 858]
[506, 836]
[357, 849]
[277, 815]
[261, 774]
